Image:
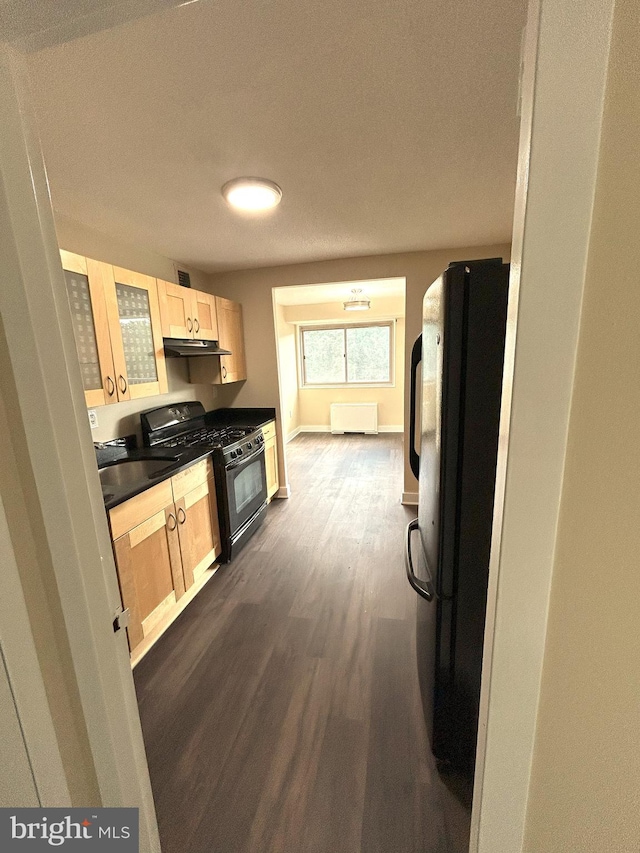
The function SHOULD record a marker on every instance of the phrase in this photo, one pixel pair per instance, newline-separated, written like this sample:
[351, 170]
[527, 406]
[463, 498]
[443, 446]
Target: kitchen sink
[131, 471]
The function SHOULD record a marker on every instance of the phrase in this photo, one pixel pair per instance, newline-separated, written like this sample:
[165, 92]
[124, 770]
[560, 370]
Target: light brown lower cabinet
[164, 539]
[198, 530]
[271, 458]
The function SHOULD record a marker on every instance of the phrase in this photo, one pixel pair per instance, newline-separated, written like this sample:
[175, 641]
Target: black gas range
[238, 462]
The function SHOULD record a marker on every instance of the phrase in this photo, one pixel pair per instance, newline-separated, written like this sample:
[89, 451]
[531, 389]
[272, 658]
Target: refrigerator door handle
[423, 588]
[416, 358]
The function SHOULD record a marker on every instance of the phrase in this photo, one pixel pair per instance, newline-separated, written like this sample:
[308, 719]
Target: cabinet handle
[175, 523]
[189, 324]
[196, 326]
[184, 515]
[111, 386]
[122, 382]
[224, 372]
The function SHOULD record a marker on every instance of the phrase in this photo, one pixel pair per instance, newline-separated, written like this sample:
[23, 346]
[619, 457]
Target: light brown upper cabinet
[116, 324]
[232, 367]
[136, 334]
[205, 323]
[90, 329]
[187, 313]
[176, 310]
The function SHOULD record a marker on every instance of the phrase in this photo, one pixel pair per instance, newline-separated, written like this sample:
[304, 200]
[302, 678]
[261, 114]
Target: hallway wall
[586, 775]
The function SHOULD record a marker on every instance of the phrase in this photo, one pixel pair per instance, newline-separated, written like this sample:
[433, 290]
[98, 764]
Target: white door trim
[565, 67]
[27, 687]
[34, 311]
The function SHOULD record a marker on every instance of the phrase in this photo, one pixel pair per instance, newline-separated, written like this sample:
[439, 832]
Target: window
[347, 355]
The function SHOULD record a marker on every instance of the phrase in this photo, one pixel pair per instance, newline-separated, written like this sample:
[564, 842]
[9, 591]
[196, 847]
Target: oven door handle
[245, 459]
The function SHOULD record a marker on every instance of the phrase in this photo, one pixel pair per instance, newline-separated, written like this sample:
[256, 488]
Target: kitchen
[34, 427]
[144, 551]
[146, 526]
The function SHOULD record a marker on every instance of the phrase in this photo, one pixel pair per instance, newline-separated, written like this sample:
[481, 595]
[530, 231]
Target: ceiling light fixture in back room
[357, 302]
[252, 194]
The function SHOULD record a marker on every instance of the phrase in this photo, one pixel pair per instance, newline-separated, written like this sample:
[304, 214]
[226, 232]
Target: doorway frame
[566, 41]
[58, 462]
[557, 170]
[399, 368]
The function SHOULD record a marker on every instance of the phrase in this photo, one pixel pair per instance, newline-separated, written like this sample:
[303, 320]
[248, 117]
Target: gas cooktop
[186, 425]
[210, 437]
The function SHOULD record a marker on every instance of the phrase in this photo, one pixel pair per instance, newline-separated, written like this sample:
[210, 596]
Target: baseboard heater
[354, 417]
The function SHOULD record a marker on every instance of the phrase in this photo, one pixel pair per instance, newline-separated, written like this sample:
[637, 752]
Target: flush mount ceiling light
[357, 302]
[252, 194]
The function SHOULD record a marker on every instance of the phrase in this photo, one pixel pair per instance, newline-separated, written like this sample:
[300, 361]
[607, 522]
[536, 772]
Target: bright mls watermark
[103, 830]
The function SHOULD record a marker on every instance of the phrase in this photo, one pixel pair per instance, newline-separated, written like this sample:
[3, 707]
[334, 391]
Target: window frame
[322, 327]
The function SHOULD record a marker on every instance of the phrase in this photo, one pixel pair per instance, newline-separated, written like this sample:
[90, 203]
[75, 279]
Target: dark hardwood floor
[281, 711]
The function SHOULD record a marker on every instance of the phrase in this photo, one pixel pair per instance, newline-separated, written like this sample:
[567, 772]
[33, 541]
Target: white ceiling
[33, 24]
[390, 126]
[317, 294]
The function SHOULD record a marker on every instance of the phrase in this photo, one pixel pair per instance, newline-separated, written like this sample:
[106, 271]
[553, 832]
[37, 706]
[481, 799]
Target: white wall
[287, 367]
[315, 403]
[585, 781]
[565, 68]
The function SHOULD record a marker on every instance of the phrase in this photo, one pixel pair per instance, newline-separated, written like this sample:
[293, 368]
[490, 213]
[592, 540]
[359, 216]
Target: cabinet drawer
[191, 477]
[129, 514]
[269, 431]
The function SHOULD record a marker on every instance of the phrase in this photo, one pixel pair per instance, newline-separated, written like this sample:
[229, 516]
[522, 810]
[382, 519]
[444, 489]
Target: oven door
[246, 488]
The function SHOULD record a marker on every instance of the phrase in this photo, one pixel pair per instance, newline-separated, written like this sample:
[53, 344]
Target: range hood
[181, 347]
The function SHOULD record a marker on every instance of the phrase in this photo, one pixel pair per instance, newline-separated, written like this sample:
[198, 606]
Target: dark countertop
[240, 417]
[177, 460]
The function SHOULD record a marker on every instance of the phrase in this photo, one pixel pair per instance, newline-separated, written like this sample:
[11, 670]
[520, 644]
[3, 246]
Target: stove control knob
[233, 454]
[239, 451]
[249, 445]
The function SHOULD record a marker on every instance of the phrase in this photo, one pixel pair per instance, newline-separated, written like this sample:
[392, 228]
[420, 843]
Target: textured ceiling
[390, 126]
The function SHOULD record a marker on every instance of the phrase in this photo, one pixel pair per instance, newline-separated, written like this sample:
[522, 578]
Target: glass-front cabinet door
[136, 336]
[91, 330]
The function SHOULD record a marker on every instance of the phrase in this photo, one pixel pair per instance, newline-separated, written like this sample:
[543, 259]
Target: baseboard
[293, 434]
[409, 499]
[327, 428]
[283, 492]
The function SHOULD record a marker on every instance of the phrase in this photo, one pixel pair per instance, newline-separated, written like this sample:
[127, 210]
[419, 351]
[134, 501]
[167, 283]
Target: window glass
[347, 355]
[368, 354]
[324, 356]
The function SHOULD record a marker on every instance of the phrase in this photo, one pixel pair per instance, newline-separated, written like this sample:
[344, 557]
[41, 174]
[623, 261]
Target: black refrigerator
[461, 354]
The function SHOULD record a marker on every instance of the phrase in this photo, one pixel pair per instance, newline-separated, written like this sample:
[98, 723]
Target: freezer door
[431, 409]
[443, 355]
